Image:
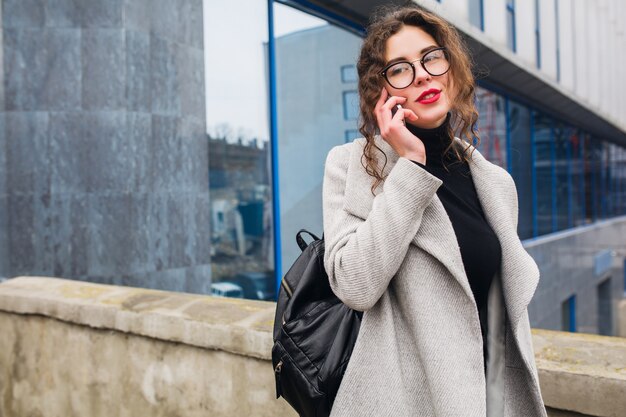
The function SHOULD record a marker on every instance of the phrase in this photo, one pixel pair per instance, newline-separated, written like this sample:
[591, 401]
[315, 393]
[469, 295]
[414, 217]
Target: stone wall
[103, 151]
[81, 349]
[576, 262]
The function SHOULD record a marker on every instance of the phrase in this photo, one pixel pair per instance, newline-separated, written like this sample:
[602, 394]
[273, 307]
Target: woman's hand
[394, 131]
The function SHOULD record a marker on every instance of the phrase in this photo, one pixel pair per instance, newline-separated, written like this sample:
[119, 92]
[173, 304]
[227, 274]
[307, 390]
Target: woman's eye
[398, 70]
[433, 56]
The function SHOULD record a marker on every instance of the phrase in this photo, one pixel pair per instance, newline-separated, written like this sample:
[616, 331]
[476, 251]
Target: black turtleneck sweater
[479, 245]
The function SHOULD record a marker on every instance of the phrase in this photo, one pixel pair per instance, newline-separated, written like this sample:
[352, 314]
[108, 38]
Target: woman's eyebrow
[402, 58]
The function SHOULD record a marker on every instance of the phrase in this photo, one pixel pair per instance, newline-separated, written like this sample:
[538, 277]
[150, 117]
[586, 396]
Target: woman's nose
[421, 75]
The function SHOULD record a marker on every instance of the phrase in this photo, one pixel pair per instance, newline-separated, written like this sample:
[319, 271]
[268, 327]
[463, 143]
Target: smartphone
[394, 110]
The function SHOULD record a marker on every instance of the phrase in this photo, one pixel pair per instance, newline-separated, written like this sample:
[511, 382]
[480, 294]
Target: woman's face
[410, 44]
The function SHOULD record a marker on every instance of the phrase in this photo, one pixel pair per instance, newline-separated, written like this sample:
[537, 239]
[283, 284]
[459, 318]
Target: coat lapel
[519, 272]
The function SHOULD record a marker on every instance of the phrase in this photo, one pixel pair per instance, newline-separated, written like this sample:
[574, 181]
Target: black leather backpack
[314, 334]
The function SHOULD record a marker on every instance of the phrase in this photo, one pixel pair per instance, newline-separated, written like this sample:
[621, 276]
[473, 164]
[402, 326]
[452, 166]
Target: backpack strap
[300, 240]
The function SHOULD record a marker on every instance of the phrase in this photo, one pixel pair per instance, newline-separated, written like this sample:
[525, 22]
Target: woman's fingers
[383, 111]
[410, 114]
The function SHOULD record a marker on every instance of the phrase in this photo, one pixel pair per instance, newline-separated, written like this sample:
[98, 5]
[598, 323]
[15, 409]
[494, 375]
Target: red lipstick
[422, 100]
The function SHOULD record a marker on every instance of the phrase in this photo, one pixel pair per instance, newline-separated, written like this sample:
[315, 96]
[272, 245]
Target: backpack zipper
[286, 286]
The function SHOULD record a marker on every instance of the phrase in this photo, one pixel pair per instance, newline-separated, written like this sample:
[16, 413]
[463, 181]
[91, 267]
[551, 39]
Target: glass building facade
[299, 83]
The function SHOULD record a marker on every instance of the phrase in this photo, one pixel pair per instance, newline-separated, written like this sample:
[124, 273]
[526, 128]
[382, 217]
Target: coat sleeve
[362, 256]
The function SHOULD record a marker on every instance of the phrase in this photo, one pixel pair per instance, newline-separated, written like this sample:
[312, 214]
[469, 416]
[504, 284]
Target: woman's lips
[429, 100]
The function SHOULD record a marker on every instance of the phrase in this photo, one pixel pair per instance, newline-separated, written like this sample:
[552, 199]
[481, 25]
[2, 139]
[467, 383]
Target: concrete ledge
[580, 375]
[582, 372]
[231, 325]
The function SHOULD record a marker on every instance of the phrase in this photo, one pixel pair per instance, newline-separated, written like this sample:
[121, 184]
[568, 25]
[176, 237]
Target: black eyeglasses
[402, 74]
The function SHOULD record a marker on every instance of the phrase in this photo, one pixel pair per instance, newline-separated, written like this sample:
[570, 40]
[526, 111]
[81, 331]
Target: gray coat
[395, 256]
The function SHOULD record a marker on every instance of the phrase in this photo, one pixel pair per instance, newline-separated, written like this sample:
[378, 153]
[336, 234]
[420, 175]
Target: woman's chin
[429, 122]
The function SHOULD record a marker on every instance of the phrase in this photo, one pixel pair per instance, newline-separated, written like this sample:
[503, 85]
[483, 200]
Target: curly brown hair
[385, 23]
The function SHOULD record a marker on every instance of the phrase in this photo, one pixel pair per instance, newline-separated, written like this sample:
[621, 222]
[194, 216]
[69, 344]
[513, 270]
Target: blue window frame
[271, 47]
[510, 23]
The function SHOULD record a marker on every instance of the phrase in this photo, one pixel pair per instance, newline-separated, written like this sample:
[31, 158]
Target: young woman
[421, 235]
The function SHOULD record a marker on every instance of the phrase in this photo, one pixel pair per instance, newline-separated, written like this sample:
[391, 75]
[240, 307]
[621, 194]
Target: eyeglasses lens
[401, 75]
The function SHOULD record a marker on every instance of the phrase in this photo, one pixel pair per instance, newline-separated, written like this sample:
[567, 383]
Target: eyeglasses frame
[383, 73]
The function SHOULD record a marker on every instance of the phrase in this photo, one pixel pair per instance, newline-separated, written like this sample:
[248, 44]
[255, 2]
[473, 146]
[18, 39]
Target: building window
[537, 35]
[349, 74]
[522, 166]
[314, 63]
[578, 176]
[492, 126]
[558, 41]
[239, 153]
[510, 25]
[476, 14]
[352, 134]
[563, 177]
[544, 174]
[350, 105]
[568, 314]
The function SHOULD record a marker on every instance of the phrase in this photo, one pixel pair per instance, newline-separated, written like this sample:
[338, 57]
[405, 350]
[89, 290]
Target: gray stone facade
[103, 152]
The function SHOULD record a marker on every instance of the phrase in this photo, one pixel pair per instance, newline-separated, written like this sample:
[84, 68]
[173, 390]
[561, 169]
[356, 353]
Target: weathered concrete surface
[71, 348]
[582, 372]
[53, 368]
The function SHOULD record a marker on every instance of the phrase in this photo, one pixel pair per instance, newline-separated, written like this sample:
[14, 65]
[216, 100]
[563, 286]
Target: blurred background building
[180, 145]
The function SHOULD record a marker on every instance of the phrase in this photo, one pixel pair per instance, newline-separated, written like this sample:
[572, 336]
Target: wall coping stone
[582, 372]
[228, 324]
[578, 372]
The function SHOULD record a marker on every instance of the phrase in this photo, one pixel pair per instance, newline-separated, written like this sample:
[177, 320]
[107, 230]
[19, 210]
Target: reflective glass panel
[521, 165]
[593, 153]
[491, 126]
[578, 177]
[605, 187]
[544, 170]
[563, 176]
[317, 107]
[239, 153]
[620, 170]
